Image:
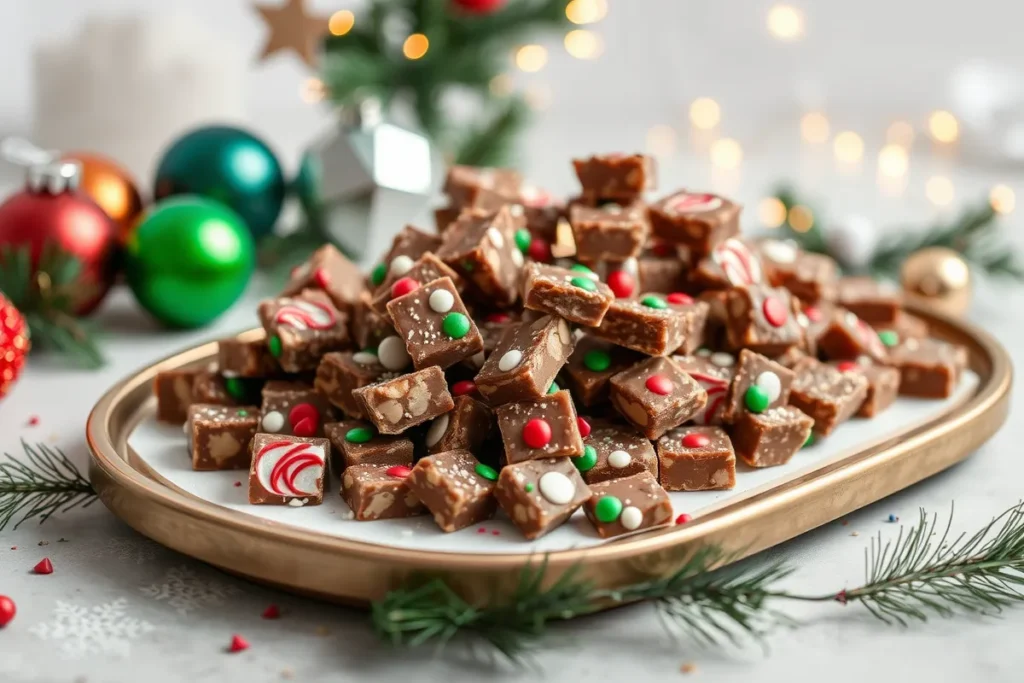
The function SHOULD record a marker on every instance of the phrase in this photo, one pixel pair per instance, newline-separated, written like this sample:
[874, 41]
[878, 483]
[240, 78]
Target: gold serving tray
[357, 572]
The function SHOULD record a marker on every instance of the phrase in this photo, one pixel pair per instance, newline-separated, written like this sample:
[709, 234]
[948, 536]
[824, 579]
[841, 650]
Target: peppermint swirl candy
[286, 468]
[305, 315]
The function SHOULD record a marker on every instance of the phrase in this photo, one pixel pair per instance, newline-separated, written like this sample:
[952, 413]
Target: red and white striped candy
[867, 335]
[693, 203]
[716, 388]
[740, 265]
[305, 315]
[286, 468]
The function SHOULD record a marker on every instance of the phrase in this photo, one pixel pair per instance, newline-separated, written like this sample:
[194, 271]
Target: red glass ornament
[478, 6]
[7, 610]
[537, 433]
[14, 344]
[622, 283]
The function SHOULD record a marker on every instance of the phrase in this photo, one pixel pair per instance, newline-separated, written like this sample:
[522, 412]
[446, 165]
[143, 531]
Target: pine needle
[42, 483]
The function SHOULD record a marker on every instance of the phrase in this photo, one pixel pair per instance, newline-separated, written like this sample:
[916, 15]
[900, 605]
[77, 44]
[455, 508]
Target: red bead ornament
[537, 433]
[398, 471]
[321, 278]
[774, 312]
[659, 384]
[540, 250]
[463, 387]
[43, 567]
[238, 644]
[478, 6]
[622, 283]
[272, 612]
[847, 366]
[679, 298]
[14, 344]
[696, 440]
[584, 427]
[683, 518]
[499, 318]
[403, 286]
[7, 610]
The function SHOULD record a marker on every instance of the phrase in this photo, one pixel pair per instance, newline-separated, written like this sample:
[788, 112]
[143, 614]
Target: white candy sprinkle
[437, 429]
[517, 258]
[780, 252]
[273, 421]
[185, 428]
[365, 358]
[400, 265]
[619, 459]
[703, 353]
[557, 488]
[723, 359]
[803, 320]
[852, 319]
[631, 518]
[495, 236]
[441, 301]
[630, 266]
[771, 384]
[510, 360]
[392, 353]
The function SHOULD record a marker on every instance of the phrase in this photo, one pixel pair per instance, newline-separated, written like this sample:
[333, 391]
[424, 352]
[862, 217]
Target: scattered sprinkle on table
[844, 522]
[855, 533]
[42, 543]
[44, 566]
[688, 668]
[238, 644]
[238, 483]
[893, 518]
[33, 420]
[272, 612]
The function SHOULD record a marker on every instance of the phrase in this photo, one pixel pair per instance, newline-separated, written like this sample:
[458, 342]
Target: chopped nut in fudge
[622, 506]
[455, 487]
[540, 495]
[524, 363]
[696, 459]
[379, 492]
[656, 395]
[394, 405]
[219, 436]
[342, 372]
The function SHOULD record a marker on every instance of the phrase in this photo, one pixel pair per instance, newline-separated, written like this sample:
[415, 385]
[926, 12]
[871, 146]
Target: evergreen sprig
[916, 576]
[42, 483]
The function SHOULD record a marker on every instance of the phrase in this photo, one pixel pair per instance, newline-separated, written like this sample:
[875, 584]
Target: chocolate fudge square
[759, 384]
[456, 488]
[574, 295]
[656, 395]
[614, 451]
[814, 320]
[714, 372]
[733, 263]
[540, 428]
[482, 249]
[427, 268]
[379, 492]
[525, 361]
[394, 405]
[467, 427]
[906, 326]
[358, 443]
[610, 232]
[771, 438]
[847, 337]
[369, 326]
[302, 328]
[826, 394]
[654, 325]
[592, 365]
[408, 245]
[615, 177]
[696, 459]
[252, 358]
[218, 436]
[929, 368]
[294, 408]
[700, 221]
[883, 384]
[810, 277]
[287, 470]
[173, 390]
[435, 325]
[211, 387]
[871, 300]
[660, 269]
[464, 184]
[622, 506]
[329, 270]
[342, 372]
[539, 495]
[762, 319]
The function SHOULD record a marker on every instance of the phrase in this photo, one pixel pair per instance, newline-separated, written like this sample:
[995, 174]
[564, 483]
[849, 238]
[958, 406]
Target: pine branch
[490, 143]
[44, 482]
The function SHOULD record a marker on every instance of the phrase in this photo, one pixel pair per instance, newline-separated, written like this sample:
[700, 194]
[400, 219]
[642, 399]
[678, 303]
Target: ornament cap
[44, 171]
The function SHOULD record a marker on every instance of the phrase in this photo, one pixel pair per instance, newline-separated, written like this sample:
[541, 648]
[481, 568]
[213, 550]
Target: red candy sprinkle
[622, 283]
[303, 411]
[774, 312]
[537, 433]
[683, 518]
[238, 483]
[33, 421]
[846, 366]
[403, 286]
[539, 250]
[463, 387]
[497, 318]
[238, 644]
[44, 566]
[696, 440]
[659, 384]
[398, 471]
[7, 610]
[481, 530]
[272, 612]
[305, 427]
[584, 427]
[321, 278]
[813, 314]
[663, 249]
[679, 298]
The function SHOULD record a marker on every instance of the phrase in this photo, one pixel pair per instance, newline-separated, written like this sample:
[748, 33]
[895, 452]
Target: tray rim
[135, 497]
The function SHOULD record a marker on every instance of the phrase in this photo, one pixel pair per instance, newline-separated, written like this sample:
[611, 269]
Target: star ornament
[293, 27]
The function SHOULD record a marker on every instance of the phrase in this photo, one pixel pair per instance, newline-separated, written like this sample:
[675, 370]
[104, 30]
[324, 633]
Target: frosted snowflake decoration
[100, 629]
[186, 592]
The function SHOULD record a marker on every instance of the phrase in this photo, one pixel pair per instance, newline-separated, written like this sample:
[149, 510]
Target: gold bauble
[112, 187]
[939, 278]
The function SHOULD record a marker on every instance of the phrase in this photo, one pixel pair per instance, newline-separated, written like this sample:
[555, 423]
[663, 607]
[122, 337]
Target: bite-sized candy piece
[826, 394]
[540, 428]
[524, 363]
[464, 185]
[379, 492]
[791, 357]
[815, 320]
[467, 427]
[302, 328]
[329, 270]
[615, 177]
[714, 373]
[883, 384]
[455, 487]
[762, 319]
[407, 246]
[871, 300]
[210, 387]
[287, 470]
[591, 366]
[539, 495]
[358, 443]
[622, 506]
[369, 326]
[542, 212]
[659, 268]
[614, 451]
[482, 249]
[608, 232]
[759, 384]
[810, 277]
[700, 221]
[906, 326]
[444, 216]
[696, 459]
[771, 438]
[251, 358]
[426, 268]
[173, 391]
[848, 337]
[656, 395]
[342, 372]
[733, 263]
[394, 405]
[294, 408]
[929, 368]
[654, 325]
[492, 325]
[435, 324]
[219, 436]
[576, 295]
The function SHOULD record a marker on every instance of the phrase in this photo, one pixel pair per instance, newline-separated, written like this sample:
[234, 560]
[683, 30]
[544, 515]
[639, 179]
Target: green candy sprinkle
[651, 301]
[584, 283]
[359, 435]
[380, 271]
[455, 325]
[580, 268]
[242, 413]
[608, 509]
[597, 360]
[809, 441]
[234, 387]
[889, 337]
[468, 266]
[523, 239]
[486, 471]
[274, 344]
[553, 388]
[528, 488]
[587, 460]
[756, 399]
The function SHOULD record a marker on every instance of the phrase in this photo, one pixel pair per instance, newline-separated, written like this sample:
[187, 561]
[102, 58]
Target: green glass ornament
[189, 260]
[227, 164]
